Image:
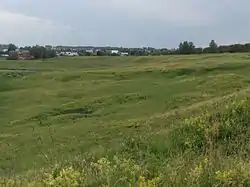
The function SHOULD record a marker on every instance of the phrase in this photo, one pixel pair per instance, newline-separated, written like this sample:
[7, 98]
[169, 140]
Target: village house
[114, 52]
[3, 47]
[20, 55]
[68, 53]
[24, 55]
[124, 54]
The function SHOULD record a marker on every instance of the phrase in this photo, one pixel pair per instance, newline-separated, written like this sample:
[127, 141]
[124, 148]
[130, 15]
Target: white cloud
[22, 29]
[178, 12]
[124, 22]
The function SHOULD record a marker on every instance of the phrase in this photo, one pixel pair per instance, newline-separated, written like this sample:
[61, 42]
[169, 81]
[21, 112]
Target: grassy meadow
[126, 121]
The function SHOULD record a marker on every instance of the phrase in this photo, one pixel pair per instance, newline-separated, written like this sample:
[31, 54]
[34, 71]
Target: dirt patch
[83, 111]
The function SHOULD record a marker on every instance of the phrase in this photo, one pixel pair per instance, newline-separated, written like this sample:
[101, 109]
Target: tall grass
[133, 121]
[208, 150]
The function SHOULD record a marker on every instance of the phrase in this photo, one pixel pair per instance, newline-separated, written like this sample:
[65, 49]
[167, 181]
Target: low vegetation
[126, 121]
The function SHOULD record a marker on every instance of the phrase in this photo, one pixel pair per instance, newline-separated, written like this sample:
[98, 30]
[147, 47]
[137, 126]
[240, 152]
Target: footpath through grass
[126, 121]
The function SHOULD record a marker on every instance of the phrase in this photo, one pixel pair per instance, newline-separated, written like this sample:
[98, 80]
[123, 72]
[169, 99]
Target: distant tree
[12, 55]
[101, 53]
[39, 52]
[213, 47]
[237, 48]
[198, 50]
[88, 54]
[114, 54]
[206, 50]
[164, 51]
[49, 53]
[186, 47]
[247, 47]
[12, 47]
[155, 52]
[224, 49]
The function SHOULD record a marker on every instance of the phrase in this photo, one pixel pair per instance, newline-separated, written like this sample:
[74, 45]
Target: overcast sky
[127, 23]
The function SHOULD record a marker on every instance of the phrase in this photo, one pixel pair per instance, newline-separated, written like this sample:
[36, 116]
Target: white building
[124, 54]
[89, 50]
[68, 54]
[114, 52]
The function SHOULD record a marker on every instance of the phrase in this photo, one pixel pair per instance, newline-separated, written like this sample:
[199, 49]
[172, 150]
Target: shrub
[208, 132]
[208, 150]
[103, 172]
[65, 177]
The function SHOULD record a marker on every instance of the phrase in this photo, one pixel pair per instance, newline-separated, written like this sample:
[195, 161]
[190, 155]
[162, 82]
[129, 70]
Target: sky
[126, 23]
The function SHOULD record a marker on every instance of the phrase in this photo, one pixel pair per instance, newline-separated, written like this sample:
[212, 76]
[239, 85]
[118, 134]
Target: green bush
[208, 150]
[103, 172]
[207, 132]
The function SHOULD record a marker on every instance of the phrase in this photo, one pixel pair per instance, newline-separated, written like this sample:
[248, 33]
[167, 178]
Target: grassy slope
[51, 111]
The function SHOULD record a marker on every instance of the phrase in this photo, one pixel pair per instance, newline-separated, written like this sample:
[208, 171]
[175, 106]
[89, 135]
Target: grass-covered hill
[126, 121]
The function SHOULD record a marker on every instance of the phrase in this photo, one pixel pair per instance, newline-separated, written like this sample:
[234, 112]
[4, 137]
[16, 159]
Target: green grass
[142, 110]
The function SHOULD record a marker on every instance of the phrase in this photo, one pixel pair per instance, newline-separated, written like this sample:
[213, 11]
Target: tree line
[34, 52]
[189, 48]
[39, 52]
[184, 48]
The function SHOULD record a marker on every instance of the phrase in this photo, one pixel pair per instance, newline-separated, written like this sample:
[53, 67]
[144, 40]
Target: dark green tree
[198, 50]
[237, 48]
[40, 52]
[186, 47]
[12, 47]
[213, 47]
[102, 53]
